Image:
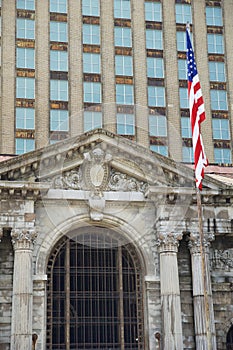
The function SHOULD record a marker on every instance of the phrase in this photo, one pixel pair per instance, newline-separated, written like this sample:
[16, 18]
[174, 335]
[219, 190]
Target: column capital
[23, 238]
[194, 243]
[168, 241]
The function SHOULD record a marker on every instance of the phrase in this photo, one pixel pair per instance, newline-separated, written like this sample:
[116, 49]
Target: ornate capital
[169, 241]
[23, 238]
[195, 242]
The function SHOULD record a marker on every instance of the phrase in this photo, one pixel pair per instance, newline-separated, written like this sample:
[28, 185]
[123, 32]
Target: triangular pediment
[100, 159]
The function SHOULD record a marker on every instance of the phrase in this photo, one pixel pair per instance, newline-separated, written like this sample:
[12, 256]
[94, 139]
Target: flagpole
[203, 261]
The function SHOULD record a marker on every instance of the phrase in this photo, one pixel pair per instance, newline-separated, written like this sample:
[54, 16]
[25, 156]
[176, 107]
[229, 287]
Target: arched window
[230, 339]
[94, 294]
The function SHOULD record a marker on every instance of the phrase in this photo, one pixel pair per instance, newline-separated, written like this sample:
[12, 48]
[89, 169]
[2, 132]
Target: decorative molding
[194, 242]
[222, 260]
[23, 238]
[168, 241]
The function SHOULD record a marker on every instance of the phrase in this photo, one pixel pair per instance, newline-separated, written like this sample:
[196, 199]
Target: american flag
[197, 113]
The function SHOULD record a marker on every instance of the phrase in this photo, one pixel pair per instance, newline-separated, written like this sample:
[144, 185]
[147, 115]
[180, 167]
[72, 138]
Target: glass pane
[25, 118]
[90, 8]
[153, 11]
[122, 9]
[59, 6]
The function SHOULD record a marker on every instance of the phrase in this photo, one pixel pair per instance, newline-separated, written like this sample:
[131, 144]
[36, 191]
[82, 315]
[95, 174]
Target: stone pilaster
[21, 332]
[170, 291]
[202, 292]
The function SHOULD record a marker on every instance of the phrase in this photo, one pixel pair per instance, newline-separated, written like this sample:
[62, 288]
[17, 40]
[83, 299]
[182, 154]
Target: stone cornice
[22, 189]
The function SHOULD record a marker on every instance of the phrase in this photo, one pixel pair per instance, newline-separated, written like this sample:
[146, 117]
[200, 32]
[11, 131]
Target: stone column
[21, 331]
[202, 292]
[170, 291]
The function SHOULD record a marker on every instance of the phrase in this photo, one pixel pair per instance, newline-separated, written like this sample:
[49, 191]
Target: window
[58, 90]
[58, 60]
[122, 36]
[153, 11]
[91, 63]
[25, 118]
[24, 145]
[183, 13]
[26, 4]
[25, 87]
[186, 131]
[59, 6]
[154, 39]
[25, 58]
[221, 129]
[213, 16]
[92, 120]
[124, 94]
[222, 155]
[155, 67]
[184, 101]
[125, 124]
[58, 31]
[217, 71]
[160, 149]
[92, 92]
[90, 8]
[91, 34]
[122, 9]
[156, 96]
[181, 41]
[25, 28]
[215, 43]
[157, 125]
[182, 69]
[124, 65]
[59, 120]
[218, 100]
[187, 154]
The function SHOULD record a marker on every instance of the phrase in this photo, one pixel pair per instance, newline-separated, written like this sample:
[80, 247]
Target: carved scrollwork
[123, 182]
[222, 259]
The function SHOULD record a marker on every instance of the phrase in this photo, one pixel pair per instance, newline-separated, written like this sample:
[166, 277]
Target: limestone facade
[106, 186]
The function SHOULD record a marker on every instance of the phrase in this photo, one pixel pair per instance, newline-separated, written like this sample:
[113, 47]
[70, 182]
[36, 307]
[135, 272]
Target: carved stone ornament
[168, 241]
[23, 238]
[97, 205]
[222, 260]
[194, 242]
[123, 182]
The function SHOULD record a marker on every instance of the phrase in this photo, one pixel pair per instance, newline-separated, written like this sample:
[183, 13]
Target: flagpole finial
[188, 26]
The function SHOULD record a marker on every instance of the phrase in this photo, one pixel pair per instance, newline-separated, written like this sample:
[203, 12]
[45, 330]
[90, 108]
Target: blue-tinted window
[182, 69]
[154, 39]
[122, 9]
[92, 92]
[25, 118]
[122, 36]
[26, 4]
[124, 65]
[58, 60]
[58, 90]
[160, 149]
[221, 129]
[125, 124]
[124, 94]
[184, 101]
[213, 16]
[25, 58]
[217, 71]
[156, 96]
[215, 43]
[90, 8]
[153, 11]
[187, 154]
[58, 31]
[91, 63]
[92, 120]
[91, 34]
[25, 87]
[222, 156]
[24, 145]
[218, 100]
[186, 131]
[59, 6]
[157, 125]
[183, 13]
[59, 120]
[155, 67]
[25, 28]
[181, 41]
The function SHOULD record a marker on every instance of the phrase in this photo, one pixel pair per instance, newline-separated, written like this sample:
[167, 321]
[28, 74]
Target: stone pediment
[99, 161]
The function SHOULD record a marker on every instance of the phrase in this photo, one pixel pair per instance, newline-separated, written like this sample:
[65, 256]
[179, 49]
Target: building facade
[70, 66]
[101, 249]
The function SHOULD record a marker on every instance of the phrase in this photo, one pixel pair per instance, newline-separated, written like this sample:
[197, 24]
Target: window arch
[94, 293]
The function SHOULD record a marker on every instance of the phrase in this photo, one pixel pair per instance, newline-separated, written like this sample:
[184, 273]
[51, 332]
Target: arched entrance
[230, 339]
[95, 297]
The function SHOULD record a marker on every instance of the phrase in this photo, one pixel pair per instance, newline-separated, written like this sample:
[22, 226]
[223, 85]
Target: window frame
[91, 34]
[25, 28]
[214, 45]
[123, 36]
[25, 118]
[158, 125]
[221, 129]
[124, 94]
[155, 67]
[58, 6]
[23, 59]
[154, 39]
[124, 65]
[61, 91]
[121, 10]
[91, 63]
[58, 31]
[217, 101]
[156, 94]
[58, 61]
[125, 124]
[92, 120]
[153, 11]
[212, 18]
[59, 120]
[181, 16]
[25, 88]
[92, 92]
[28, 145]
